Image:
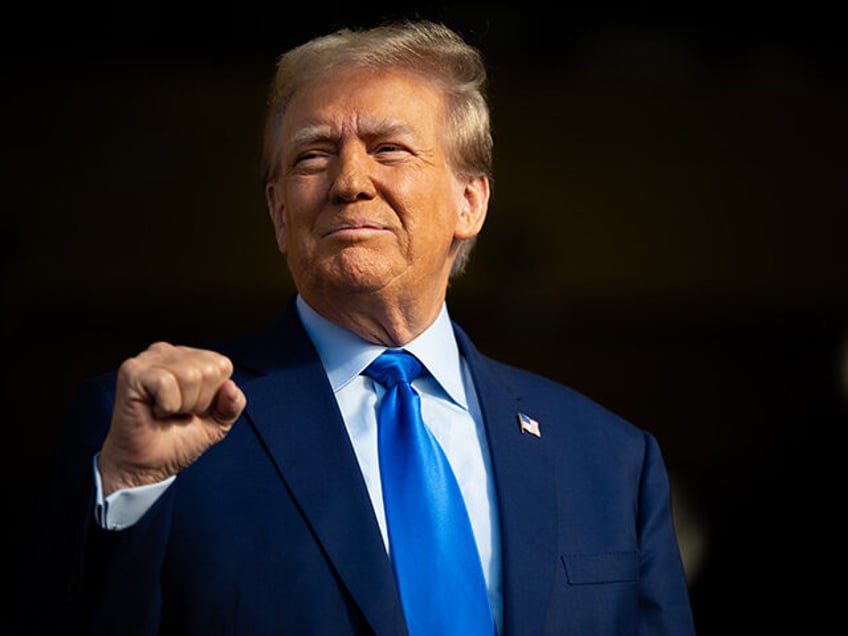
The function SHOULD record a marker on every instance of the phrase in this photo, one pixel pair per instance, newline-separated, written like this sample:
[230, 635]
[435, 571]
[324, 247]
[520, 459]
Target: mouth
[354, 230]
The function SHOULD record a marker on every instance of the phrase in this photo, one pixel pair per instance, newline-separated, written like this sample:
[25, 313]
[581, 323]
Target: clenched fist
[172, 403]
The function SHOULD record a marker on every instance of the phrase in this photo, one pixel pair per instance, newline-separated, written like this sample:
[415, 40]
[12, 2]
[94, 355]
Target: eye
[310, 155]
[310, 160]
[391, 151]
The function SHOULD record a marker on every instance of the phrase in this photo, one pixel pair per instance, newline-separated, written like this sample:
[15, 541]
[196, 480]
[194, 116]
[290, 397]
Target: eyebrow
[369, 127]
[310, 134]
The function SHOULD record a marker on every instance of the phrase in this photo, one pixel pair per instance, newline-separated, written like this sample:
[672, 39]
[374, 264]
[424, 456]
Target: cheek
[304, 200]
[427, 200]
[442, 213]
[431, 232]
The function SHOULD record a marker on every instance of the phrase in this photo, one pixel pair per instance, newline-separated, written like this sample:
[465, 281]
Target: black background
[667, 235]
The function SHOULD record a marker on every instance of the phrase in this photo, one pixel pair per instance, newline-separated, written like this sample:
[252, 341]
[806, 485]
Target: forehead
[364, 102]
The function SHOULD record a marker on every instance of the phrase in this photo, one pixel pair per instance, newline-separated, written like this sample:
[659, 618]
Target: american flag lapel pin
[529, 425]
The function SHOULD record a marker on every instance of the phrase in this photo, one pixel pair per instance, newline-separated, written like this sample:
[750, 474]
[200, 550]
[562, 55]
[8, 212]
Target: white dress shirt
[449, 407]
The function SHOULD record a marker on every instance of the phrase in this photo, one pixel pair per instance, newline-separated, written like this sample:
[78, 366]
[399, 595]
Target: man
[247, 489]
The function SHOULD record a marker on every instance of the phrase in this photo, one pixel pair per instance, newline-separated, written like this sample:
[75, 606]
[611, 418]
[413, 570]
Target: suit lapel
[524, 480]
[294, 412]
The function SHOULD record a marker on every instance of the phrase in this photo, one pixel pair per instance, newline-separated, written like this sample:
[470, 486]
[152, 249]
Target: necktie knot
[394, 366]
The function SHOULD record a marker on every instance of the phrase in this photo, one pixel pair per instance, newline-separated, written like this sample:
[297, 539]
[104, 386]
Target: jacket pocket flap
[608, 567]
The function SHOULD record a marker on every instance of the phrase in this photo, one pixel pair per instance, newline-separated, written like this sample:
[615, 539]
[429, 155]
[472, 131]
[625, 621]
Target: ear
[473, 207]
[276, 210]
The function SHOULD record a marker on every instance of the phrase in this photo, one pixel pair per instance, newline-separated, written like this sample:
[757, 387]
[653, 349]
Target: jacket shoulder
[568, 409]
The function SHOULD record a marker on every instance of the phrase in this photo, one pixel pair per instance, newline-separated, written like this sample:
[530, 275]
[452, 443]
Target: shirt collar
[345, 355]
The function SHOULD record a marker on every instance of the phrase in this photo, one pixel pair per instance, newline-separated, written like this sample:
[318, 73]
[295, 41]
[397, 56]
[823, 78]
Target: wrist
[116, 476]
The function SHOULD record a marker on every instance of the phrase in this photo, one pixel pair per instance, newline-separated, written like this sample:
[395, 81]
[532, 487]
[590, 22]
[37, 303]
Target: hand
[172, 403]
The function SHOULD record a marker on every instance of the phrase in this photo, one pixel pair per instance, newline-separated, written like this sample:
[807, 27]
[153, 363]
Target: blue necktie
[433, 551]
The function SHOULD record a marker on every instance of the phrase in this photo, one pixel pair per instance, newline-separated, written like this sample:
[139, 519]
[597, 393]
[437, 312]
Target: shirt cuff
[123, 508]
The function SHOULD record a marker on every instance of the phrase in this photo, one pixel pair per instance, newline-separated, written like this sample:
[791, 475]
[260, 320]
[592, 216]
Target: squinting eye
[306, 156]
[391, 149]
[310, 160]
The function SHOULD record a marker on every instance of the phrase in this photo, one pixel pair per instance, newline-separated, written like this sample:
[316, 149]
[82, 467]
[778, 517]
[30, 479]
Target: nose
[352, 181]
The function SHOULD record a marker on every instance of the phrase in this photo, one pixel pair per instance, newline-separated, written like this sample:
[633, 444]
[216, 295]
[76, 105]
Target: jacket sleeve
[664, 607]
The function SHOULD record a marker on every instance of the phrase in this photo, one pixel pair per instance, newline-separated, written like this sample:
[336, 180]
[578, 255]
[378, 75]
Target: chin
[348, 273]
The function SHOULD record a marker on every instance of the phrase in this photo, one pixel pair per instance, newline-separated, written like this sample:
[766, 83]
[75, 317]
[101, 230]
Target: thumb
[229, 403]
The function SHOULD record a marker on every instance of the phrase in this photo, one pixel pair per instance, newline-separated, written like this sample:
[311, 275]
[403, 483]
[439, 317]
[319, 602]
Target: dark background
[667, 235]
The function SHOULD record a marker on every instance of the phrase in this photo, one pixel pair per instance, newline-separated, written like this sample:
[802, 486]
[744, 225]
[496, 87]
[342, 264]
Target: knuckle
[225, 365]
[133, 370]
[192, 374]
[212, 370]
[164, 381]
[160, 346]
[129, 367]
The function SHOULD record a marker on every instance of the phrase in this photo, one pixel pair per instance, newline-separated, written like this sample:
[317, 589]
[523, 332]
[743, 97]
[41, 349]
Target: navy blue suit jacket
[272, 532]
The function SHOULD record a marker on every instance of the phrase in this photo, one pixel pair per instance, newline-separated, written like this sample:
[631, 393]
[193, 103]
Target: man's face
[366, 200]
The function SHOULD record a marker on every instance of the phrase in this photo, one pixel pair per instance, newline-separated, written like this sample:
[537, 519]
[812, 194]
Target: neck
[391, 322]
